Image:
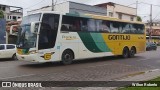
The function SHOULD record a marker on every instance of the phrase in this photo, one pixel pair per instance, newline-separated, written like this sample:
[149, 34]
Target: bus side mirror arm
[33, 27]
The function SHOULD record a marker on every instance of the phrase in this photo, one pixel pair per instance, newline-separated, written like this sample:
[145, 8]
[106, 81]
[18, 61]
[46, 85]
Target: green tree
[139, 18]
[1, 14]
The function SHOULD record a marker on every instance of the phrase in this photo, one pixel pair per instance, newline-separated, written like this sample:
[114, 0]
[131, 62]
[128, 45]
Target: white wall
[127, 12]
[62, 7]
[125, 17]
[125, 9]
[9, 15]
[38, 10]
[7, 9]
[72, 7]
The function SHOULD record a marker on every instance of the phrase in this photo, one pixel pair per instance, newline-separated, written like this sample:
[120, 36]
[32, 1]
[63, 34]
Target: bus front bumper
[29, 58]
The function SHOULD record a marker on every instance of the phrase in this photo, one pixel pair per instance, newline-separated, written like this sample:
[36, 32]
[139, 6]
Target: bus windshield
[26, 39]
[31, 18]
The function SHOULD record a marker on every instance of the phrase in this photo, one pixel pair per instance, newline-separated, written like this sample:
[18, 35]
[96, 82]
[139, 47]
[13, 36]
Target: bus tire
[125, 53]
[67, 57]
[132, 52]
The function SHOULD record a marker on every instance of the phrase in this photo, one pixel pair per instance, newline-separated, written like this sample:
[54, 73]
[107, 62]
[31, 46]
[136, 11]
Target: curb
[139, 76]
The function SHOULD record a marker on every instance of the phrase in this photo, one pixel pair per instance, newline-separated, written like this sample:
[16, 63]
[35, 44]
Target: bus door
[48, 35]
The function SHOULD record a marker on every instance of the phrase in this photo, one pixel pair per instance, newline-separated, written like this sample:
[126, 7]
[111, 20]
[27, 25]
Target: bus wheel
[125, 53]
[132, 52]
[67, 57]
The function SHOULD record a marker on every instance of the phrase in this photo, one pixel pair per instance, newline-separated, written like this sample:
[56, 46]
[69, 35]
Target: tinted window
[140, 29]
[2, 47]
[10, 46]
[74, 24]
[84, 26]
[115, 27]
[125, 28]
[103, 26]
[91, 25]
[133, 28]
[48, 31]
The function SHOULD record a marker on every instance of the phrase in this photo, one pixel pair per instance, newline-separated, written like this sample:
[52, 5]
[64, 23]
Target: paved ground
[99, 69]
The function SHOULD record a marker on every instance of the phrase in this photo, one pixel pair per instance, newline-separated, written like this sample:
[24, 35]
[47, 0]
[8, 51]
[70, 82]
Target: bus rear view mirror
[35, 26]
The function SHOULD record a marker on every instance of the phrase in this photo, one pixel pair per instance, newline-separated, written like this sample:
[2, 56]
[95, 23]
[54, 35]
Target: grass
[143, 88]
[157, 79]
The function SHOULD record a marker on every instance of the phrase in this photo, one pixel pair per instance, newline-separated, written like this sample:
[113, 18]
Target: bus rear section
[100, 36]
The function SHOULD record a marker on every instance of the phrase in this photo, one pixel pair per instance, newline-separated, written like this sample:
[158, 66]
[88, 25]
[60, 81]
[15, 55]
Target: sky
[143, 9]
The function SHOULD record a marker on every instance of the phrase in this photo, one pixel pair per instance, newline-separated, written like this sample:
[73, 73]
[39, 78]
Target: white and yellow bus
[53, 36]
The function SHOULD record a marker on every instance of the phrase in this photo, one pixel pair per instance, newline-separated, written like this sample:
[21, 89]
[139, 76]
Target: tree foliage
[139, 18]
[1, 14]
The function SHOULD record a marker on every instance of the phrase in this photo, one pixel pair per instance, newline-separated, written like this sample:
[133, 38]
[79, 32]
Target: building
[154, 33]
[106, 9]
[12, 31]
[155, 28]
[119, 11]
[11, 15]
[11, 12]
[73, 7]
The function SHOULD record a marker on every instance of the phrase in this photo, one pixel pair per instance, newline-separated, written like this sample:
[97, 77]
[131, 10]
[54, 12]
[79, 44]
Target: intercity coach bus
[52, 36]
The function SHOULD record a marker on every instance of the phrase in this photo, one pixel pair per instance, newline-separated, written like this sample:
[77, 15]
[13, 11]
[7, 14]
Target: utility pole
[136, 9]
[52, 5]
[150, 31]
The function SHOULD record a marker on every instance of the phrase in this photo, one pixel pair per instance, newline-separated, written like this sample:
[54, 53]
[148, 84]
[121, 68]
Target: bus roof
[101, 17]
[111, 18]
[52, 12]
[90, 16]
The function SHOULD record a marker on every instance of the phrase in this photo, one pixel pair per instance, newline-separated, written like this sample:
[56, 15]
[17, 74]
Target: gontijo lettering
[119, 37]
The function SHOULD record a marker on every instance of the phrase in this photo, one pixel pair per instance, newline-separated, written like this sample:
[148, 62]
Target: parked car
[151, 46]
[8, 51]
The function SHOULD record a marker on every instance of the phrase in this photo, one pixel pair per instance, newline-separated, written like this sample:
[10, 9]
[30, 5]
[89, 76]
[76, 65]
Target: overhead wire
[156, 16]
[34, 4]
[153, 5]
[150, 4]
[147, 4]
[131, 4]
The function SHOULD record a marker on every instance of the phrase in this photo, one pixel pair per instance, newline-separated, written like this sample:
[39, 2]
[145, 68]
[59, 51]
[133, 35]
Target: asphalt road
[99, 69]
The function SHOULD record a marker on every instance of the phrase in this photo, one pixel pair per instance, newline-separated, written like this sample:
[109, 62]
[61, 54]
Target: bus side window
[64, 28]
[70, 23]
[91, 25]
[108, 25]
[83, 24]
[76, 26]
[140, 29]
[114, 27]
[133, 29]
[84, 28]
[126, 28]
[101, 27]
